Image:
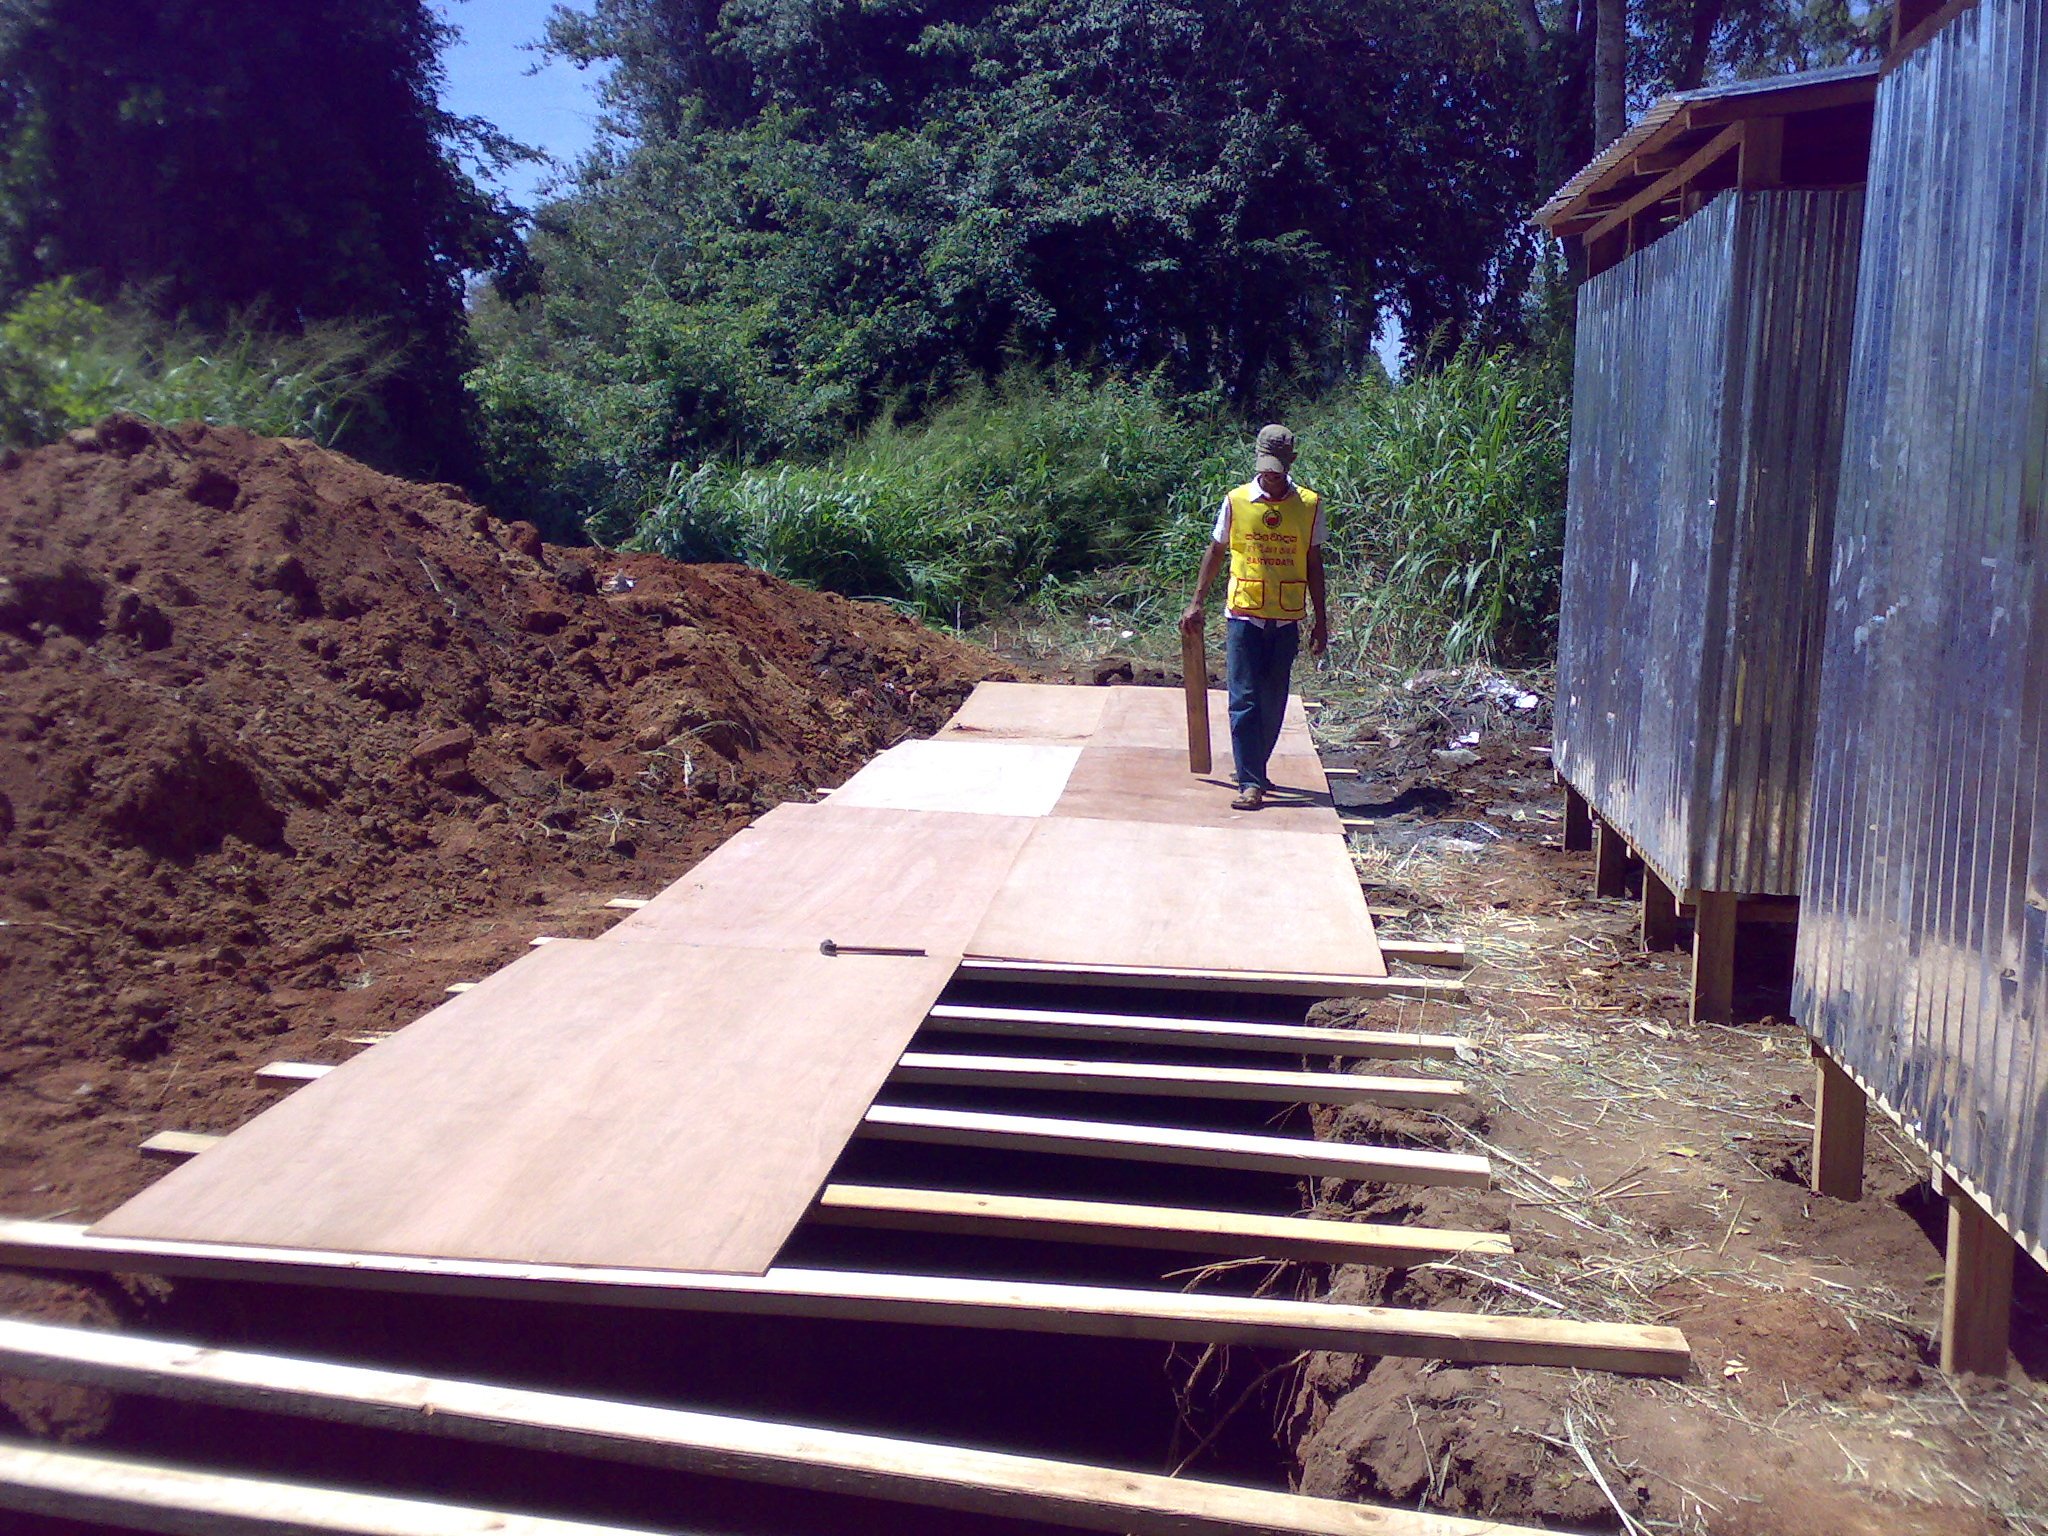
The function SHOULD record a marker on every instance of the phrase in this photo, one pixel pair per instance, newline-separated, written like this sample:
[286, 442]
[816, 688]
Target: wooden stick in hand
[1194, 666]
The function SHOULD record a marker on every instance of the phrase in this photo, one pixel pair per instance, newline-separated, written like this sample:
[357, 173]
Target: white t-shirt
[1222, 536]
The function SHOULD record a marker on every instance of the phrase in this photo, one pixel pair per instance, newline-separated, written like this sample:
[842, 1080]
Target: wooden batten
[1169, 1080]
[1274, 983]
[1135, 1029]
[924, 1300]
[913, 1472]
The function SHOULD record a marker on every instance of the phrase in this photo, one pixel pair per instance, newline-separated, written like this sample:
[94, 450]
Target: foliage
[1445, 498]
[66, 362]
[219, 156]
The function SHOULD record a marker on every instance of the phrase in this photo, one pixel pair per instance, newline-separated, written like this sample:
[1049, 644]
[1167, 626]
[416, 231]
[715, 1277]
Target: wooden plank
[1293, 1155]
[936, 1301]
[1448, 953]
[1840, 1114]
[1713, 958]
[1029, 712]
[1726, 142]
[1291, 1039]
[1976, 1309]
[854, 874]
[292, 1072]
[450, 1138]
[1194, 664]
[176, 1146]
[913, 1472]
[1134, 896]
[988, 778]
[152, 1496]
[1232, 1233]
[1659, 925]
[1171, 1081]
[1269, 983]
[1152, 784]
[1610, 861]
[628, 903]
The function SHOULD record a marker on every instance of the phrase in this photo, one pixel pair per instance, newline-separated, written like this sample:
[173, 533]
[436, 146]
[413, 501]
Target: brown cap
[1276, 442]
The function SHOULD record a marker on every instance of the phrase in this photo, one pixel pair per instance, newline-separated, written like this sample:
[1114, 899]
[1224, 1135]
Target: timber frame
[1810, 131]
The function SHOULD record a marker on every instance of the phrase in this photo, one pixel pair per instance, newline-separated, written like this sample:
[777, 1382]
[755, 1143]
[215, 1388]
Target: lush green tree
[219, 158]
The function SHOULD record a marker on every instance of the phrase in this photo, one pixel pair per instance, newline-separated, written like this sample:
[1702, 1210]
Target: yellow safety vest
[1269, 543]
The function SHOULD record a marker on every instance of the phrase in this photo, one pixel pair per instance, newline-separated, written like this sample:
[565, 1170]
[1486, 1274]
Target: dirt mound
[287, 745]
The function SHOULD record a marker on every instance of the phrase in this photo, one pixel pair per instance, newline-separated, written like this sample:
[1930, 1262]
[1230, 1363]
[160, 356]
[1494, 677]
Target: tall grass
[1445, 498]
[66, 362]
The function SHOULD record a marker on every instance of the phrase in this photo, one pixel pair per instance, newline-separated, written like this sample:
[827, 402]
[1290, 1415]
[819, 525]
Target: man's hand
[1191, 621]
[1319, 636]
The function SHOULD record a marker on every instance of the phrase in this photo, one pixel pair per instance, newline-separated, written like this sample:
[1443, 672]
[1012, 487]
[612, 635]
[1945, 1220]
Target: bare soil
[1649, 1170]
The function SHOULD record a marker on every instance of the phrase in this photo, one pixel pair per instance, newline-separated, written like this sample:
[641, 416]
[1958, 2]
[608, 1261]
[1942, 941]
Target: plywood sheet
[1153, 784]
[643, 1106]
[1157, 717]
[1046, 712]
[990, 778]
[1086, 892]
[852, 874]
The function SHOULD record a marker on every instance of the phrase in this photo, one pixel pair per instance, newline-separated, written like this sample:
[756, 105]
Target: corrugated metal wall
[1921, 959]
[1706, 434]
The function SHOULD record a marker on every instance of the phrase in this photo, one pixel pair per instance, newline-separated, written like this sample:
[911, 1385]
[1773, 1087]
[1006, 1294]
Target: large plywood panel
[1085, 892]
[1153, 784]
[852, 874]
[1045, 712]
[644, 1106]
[1157, 717]
[990, 778]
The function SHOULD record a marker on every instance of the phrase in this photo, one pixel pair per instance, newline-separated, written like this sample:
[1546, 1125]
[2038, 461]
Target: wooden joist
[150, 1496]
[1170, 1080]
[176, 1146]
[716, 1445]
[293, 1071]
[1237, 1234]
[1294, 1156]
[1278, 983]
[629, 903]
[1449, 953]
[924, 1300]
[1289, 1039]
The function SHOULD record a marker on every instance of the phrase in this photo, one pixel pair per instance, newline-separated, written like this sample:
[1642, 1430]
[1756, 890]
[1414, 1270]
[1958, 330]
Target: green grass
[1070, 499]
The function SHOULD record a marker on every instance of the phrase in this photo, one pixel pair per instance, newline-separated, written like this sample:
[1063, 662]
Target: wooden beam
[1840, 1112]
[716, 1445]
[1976, 1309]
[1296, 1156]
[1194, 667]
[929, 1300]
[176, 1146]
[1220, 1034]
[292, 1071]
[152, 1496]
[628, 903]
[1448, 953]
[1180, 1229]
[1610, 860]
[1763, 154]
[1713, 957]
[1174, 1081]
[1660, 914]
[1726, 142]
[1340, 773]
[1279, 983]
[1578, 822]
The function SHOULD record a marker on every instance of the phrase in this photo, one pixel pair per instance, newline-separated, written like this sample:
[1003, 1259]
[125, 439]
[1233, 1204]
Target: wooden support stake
[1218, 1034]
[1713, 957]
[1194, 668]
[1660, 914]
[1976, 1309]
[1610, 860]
[1840, 1109]
[1578, 822]
[914, 1472]
[946, 1301]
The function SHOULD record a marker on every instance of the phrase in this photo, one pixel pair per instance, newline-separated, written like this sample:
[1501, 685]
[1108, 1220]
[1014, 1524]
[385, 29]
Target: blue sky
[554, 110]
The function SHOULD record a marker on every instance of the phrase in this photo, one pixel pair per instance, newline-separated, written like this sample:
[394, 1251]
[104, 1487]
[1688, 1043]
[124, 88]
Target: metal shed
[1922, 966]
[1712, 367]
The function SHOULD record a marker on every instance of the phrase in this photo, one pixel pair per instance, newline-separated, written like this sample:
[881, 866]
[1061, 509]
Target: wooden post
[1660, 914]
[1976, 1312]
[1578, 822]
[1840, 1109]
[1194, 670]
[1713, 957]
[1610, 860]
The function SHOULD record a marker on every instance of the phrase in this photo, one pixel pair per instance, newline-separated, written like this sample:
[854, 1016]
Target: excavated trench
[1109, 1401]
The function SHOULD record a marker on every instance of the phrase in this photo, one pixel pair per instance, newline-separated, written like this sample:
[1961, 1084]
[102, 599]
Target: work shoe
[1250, 798]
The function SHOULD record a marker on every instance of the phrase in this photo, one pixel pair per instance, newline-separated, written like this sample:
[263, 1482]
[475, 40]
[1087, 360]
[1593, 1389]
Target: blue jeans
[1261, 660]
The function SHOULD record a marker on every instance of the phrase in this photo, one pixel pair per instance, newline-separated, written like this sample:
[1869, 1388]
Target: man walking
[1271, 532]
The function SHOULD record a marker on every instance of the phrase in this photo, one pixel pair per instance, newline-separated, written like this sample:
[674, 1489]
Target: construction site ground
[287, 747]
